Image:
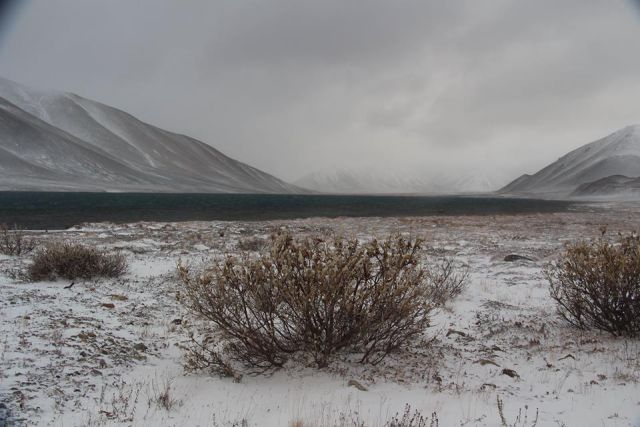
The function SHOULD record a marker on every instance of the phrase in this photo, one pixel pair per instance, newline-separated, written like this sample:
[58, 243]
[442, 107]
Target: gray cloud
[291, 86]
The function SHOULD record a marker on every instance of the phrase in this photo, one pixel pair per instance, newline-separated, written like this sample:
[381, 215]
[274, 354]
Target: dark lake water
[38, 210]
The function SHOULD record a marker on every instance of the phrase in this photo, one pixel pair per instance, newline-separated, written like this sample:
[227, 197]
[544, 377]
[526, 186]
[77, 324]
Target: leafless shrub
[411, 418]
[162, 396]
[121, 403]
[596, 285]
[13, 242]
[448, 280]
[254, 244]
[72, 261]
[522, 420]
[202, 355]
[317, 298]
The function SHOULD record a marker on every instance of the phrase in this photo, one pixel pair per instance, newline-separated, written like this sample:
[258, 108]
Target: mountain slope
[51, 140]
[616, 154]
[611, 186]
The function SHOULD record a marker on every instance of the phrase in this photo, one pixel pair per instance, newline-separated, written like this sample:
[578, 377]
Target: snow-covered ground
[101, 352]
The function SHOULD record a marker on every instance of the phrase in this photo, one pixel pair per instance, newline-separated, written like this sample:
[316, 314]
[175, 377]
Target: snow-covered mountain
[60, 141]
[616, 154]
[375, 181]
[616, 186]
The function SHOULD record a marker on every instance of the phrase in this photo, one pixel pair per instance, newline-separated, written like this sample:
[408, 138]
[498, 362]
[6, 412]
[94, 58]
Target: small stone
[140, 347]
[356, 384]
[510, 373]
[516, 257]
[568, 356]
[484, 362]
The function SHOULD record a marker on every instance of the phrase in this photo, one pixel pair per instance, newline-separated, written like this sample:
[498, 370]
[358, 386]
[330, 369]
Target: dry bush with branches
[596, 285]
[13, 242]
[73, 261]
[254, 244]
[408, 418]
[318, 298]
[447, 280]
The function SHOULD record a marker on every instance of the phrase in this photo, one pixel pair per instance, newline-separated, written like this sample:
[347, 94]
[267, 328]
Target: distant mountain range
[608, 167]
[55, 141]
[374, 181]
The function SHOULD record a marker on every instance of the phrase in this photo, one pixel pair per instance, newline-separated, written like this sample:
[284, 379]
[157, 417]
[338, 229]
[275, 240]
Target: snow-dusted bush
[13, 242]
[318, 298]
[596, 285]
[254, 244]
[447, 279]
[73, 261]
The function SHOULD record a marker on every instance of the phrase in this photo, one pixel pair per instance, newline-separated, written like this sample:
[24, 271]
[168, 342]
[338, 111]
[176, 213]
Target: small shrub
[161, 395]
[412, 419]
[408, 418]
[318, 298]
[447, 280]
[521, 420]
[201, 355]
[254, 244]
[596, 285]
[72, 261]
[13, 242]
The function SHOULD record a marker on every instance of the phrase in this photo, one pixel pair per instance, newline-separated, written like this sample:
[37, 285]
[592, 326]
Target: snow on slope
[610, 187]
[616, 154]
[374, 181]
[69, 142]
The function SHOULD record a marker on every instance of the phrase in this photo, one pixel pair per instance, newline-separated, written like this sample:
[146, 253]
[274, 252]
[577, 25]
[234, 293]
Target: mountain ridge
[615, 154]
[117, 151]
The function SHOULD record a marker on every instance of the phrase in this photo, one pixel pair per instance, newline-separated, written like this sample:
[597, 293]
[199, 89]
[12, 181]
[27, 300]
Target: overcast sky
[292, 86]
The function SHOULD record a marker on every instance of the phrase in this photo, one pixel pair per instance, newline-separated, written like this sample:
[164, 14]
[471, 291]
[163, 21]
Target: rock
[140, 347]
[516, 257]
[568, 356]
[510, 373]
[356, 384]
[484, 362]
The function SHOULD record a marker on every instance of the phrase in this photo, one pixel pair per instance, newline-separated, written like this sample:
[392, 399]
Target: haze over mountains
[373, 181]
[57, 141]
[606, 167]
[54, 141]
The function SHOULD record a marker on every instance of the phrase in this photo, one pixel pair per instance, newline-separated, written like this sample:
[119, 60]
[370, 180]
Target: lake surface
[43, 210]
